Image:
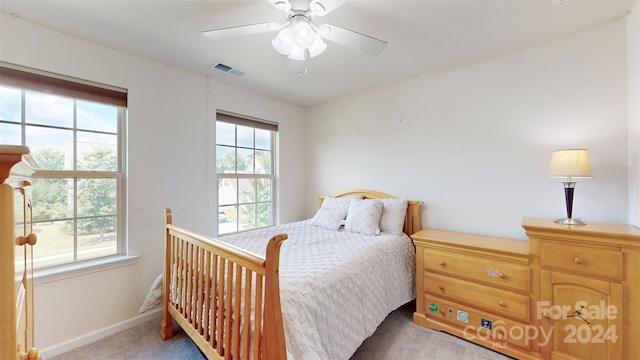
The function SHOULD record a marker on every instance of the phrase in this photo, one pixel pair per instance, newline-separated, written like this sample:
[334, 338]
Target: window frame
[36, 81]
[240, 120]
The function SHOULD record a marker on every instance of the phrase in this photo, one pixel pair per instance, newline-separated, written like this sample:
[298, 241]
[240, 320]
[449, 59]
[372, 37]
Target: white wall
[633, 65]
[474, 143]
[171, 144]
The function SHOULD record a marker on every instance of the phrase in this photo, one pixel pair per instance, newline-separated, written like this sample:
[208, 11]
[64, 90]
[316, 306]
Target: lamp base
[570, 221]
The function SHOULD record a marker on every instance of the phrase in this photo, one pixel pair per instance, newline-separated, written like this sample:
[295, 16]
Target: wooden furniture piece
[587, 283]
[475, 287]
[229, 299]
[16, 241]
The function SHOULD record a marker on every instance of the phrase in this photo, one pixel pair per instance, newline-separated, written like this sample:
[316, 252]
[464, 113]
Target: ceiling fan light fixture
[299, 39]
[304, 35]
[318, 47]
[282, 43]
[297, 53]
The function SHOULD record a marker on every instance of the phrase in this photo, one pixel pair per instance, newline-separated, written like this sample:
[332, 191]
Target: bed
[313, 289]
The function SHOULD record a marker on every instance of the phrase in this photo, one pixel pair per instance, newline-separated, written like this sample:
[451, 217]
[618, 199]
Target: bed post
[412, 219]
[275, 347]
[166, 324]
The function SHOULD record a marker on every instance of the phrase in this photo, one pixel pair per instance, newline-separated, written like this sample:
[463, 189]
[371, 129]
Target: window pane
[52, 198]
[97, 237]
[48, 109]
[230, 223]
[245, 136]
[10, 104]
[227, 191]
[247, 190]
[245, 161]
[263, 214]
[55, 141]
[263, 190]
[49, 159]
[97, 197]
[55, 243]
[246, 154]
[247, 217]
[97, 152]
[225, 160]
[263, 139]
[94, 116]
[225, 134]
[10, 134]
[263, 162]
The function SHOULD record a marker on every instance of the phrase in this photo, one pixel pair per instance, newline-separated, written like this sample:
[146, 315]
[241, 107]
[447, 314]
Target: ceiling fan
[298, 38]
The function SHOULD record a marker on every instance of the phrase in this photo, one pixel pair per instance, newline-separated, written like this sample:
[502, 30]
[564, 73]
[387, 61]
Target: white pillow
[328, 218]
[393, 214]
[364, 217]
[332, 213]
[341, 204]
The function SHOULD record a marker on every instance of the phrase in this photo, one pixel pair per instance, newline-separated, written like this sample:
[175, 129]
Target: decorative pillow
[341, 204]
[393, 214]
[364, 217]
[328, 218]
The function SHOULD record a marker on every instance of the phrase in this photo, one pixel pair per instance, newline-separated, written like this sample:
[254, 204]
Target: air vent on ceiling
[228, 69]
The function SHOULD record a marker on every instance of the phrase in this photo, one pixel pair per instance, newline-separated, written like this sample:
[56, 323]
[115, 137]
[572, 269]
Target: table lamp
[570, 164]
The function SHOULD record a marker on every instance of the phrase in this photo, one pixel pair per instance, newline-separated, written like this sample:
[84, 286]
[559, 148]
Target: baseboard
[100, 334]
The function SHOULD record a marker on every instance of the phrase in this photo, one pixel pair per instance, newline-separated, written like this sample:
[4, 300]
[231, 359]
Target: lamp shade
[282, 42]
[303, 34]
[570, 163]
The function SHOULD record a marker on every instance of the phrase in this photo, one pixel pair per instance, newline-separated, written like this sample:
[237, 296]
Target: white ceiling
[423, 36]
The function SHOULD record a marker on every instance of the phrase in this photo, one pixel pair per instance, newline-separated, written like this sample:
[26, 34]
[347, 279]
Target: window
[75, 133]
[245, 167]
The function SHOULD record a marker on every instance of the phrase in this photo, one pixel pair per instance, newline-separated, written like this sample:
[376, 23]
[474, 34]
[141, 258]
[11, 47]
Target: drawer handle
[441, 287]
[502, 303]
[443, 264]
[502, 276]
[578, 261]
[546, 315]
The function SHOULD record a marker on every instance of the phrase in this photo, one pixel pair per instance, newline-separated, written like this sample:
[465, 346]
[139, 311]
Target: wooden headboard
[411, 220]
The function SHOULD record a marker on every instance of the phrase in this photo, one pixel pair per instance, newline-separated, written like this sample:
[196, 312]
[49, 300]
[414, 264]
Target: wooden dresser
[587, 283]
[475, 287]
[16, 241]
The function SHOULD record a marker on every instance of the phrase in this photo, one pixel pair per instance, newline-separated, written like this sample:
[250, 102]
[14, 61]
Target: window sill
[65, 272]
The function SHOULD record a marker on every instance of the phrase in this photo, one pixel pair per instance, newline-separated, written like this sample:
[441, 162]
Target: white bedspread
[336, 287]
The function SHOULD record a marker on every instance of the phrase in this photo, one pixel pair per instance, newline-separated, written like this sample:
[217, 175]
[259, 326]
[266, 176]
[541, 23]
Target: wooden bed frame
[199, 274]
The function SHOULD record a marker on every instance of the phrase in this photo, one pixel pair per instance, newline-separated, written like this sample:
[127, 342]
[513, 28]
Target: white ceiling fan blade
[283, 5]
[323, 7]
[242, 30]
[364, 43]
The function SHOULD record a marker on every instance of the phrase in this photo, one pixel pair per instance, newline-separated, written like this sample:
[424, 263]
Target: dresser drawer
[496, 301]
[477, 324]
[600, 262]
[476, 267]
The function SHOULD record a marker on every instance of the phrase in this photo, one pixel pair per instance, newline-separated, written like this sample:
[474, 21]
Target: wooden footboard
[225, 298]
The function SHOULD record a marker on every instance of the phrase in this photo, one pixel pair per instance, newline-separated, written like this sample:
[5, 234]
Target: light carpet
[396, 338]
